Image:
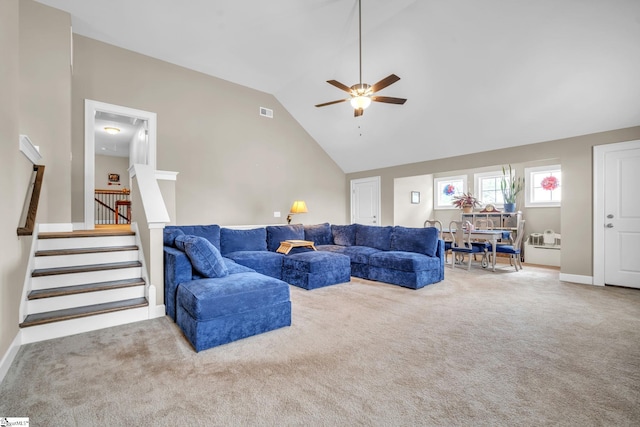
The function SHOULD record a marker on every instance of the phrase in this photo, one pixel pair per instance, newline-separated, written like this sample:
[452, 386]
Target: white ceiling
[478, 75]
[115, 145]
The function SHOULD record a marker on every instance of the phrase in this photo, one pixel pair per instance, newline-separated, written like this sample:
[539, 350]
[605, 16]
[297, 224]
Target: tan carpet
[476, 349]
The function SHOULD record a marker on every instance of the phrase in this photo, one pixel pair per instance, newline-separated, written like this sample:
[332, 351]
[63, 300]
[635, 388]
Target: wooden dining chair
[514, 249]
[461, 243]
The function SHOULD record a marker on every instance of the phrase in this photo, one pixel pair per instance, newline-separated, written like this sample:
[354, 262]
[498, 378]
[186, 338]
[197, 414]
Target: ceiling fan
[362, 93]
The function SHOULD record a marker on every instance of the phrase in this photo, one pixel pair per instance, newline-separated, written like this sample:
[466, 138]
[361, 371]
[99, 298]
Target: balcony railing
[112, 206]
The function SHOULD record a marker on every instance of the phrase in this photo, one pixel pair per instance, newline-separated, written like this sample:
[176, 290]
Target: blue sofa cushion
[243, 240]
[374, 237]
[206, 299]
[205, 257]
[235, 268]
[170, 234]
[344, 235]
[317, 262]
[279, 233]
[420, 240]
[319, 234]
[209, 232]
[404, 261]
[265, 262]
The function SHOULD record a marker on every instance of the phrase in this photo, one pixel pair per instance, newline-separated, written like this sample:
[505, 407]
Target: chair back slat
[460, 234]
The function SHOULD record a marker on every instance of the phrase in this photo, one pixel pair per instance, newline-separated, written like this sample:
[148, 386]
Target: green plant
[510, 185]
[465, 200]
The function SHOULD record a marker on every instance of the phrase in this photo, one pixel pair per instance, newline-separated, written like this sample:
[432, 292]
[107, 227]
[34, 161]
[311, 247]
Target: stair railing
[112, 206]
[29, 213]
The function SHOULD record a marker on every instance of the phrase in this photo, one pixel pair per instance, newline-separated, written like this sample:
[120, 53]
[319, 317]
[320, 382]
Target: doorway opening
[116, 138]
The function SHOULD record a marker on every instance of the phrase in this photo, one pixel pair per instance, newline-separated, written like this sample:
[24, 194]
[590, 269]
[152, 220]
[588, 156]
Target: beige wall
[45, 100]
[235, 166]
[105, 165]
[35, 88]
[575, 155]
[409, 214]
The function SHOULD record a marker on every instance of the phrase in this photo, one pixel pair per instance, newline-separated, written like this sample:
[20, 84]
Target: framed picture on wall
[415, 197]
[114, 179]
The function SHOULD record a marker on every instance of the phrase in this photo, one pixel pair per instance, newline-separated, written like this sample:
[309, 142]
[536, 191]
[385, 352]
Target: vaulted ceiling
[478, 75]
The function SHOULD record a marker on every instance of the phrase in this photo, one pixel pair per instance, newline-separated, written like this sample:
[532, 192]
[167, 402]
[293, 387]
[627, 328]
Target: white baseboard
[576, 278]
[159, 311]
[8, 357]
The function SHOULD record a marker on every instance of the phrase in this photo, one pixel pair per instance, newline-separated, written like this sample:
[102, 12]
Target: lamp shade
[299, 206]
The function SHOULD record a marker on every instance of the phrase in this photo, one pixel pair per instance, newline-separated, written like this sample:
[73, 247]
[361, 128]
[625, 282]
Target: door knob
[610, 216]
[609, 225]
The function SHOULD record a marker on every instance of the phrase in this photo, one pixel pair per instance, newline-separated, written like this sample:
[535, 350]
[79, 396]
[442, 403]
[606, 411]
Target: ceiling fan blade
[332, 102]
[339, 85]
[358, 112]
[389, 80]
[388, 99]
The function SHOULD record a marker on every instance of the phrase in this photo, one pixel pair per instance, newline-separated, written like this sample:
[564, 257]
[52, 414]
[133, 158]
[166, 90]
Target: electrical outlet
[276, 214]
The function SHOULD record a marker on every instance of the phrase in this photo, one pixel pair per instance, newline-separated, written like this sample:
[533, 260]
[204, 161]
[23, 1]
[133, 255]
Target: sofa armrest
[440, 254]
[177, 270]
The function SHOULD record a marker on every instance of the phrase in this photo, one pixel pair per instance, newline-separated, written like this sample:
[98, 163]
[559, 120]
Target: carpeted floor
[479, 348]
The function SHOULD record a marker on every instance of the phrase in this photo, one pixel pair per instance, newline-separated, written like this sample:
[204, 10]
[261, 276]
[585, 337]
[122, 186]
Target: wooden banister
[32, 210]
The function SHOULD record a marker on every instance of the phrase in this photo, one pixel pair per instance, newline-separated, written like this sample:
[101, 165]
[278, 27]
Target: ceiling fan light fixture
[360, 102]
[111, 130]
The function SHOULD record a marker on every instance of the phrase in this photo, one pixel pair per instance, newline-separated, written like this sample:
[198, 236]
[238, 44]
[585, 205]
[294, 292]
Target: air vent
[265, 112]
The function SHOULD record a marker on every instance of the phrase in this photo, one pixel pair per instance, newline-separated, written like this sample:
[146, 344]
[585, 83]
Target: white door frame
[599, 152]
[90, 109]
[355, 181]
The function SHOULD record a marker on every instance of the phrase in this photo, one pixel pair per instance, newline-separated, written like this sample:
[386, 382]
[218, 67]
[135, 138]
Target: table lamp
[299, 206]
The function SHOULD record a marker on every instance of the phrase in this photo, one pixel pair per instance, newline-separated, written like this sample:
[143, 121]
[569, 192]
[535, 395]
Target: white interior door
[622, 218]
[365, 201]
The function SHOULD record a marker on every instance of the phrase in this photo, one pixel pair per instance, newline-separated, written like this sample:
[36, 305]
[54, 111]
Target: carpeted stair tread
[80, 251]
[78, 312]
[84, 233]
[84, 268]
[85, 288]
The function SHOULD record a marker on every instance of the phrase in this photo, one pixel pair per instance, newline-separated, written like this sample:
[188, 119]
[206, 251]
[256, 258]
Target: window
[488, 188]
[543, 187]
[447, 187]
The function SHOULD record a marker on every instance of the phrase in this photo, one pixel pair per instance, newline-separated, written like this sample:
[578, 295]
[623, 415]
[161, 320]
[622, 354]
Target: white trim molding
[599, 152]
[10, 355]
[576, 278]
[29, 150]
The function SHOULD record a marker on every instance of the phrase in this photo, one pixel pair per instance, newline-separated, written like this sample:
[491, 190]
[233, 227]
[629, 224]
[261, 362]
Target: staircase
[81, 281]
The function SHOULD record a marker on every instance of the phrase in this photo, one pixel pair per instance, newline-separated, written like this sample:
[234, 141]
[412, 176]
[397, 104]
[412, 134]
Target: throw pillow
[205, 258]
[170, 234]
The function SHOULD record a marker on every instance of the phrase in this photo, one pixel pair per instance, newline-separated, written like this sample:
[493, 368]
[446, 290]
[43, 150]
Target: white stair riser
[81, 300]
[83, 324]
[84, 259]
[56, 281]
[85, 242]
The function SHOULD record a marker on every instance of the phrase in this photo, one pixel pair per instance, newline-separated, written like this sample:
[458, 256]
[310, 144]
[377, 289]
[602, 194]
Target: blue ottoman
[217, 311]
[311, 270]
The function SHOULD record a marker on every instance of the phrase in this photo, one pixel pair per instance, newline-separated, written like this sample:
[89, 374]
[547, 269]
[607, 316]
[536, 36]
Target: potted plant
[466, 202]
[511, 186]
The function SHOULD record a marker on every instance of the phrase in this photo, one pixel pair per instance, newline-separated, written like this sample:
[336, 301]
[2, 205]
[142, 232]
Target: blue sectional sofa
[224, 284]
